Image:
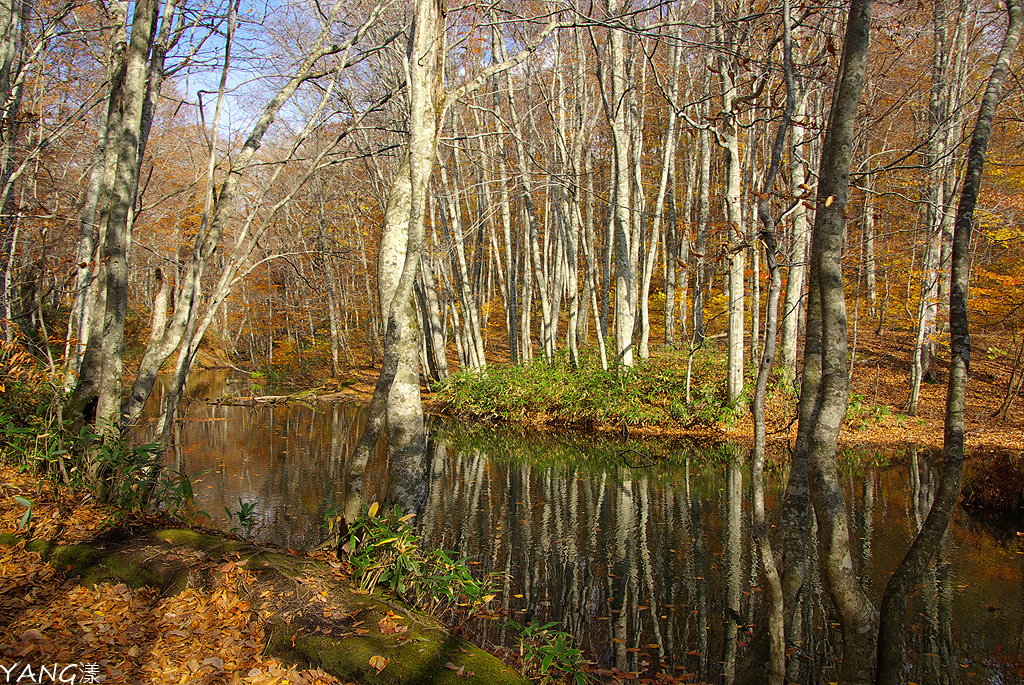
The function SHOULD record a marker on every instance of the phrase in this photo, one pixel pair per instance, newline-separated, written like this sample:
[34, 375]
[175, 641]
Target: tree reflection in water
[651, 568]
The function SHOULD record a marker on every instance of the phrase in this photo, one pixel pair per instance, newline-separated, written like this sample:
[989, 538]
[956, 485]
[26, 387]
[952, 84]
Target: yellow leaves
[388, 626]
[137, 635]
[379, 663]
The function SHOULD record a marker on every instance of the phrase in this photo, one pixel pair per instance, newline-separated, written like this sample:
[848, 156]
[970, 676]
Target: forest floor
[879, 390]
[46, 618]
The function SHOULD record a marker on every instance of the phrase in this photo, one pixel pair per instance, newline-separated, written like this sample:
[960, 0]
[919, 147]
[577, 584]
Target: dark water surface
[636, 558]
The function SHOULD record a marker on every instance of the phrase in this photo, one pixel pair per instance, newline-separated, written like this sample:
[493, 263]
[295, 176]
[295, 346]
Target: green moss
[94, 565]
[417, 660]
[211, 544]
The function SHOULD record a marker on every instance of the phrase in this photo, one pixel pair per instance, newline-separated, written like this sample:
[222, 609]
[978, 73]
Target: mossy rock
[299, 631]
[421, 655]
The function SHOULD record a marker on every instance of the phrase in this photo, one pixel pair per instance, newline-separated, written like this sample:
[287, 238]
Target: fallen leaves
[379, 663]
[460, 671]
[135, 635]
[389, 627]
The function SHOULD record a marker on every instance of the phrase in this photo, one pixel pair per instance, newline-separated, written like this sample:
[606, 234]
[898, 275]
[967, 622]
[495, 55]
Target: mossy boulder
[314, 616]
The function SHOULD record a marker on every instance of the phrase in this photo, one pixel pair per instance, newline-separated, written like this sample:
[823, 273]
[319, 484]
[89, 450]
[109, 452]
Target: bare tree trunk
[824, 397]
[869, 242]
[117, 237]
[938, 205]
[659, 211]
[891, 645]
[396, 405]
[616, 108]
[437, 357]
[796, 283]
[701, 246]
[453, 220]
[735, 255]
[532, 238]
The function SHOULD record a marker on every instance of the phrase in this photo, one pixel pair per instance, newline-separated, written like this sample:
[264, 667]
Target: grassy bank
[651, 399]
[651, 394]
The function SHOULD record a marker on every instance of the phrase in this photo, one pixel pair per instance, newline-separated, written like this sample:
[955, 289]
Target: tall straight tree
[944, 115]
[891, 640]
[125, 131]
[824, 390]
[396, 410]
[616, 96]
[727, 68]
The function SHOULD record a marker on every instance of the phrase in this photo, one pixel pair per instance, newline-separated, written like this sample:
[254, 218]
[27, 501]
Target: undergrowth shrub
[651, 392]
[549, 652]
[35, 438]
[385, 552]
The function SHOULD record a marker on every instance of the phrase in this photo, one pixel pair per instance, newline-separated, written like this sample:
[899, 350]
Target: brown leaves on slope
[134, 635]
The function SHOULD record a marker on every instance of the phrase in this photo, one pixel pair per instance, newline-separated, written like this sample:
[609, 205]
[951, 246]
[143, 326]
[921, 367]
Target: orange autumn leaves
[134, 635]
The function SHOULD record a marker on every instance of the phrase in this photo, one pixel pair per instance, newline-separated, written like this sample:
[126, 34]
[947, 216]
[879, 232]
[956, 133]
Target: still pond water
[637, 559]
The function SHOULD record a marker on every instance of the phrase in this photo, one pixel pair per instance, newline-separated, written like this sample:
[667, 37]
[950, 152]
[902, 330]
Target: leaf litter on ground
[202, 636]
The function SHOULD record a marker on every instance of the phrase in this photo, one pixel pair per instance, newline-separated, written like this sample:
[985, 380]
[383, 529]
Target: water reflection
[651, 568]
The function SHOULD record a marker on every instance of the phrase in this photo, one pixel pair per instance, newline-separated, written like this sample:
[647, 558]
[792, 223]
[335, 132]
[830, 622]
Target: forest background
[179, 177]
